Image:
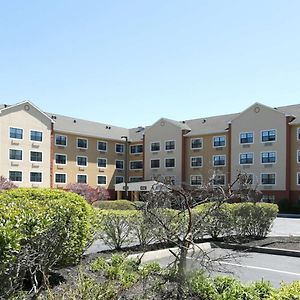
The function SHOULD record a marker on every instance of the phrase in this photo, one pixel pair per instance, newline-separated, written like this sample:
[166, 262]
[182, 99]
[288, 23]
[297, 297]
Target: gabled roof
[291, 110]
[180, 125]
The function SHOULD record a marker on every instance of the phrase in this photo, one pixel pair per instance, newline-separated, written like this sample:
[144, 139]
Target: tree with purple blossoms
[6, 184]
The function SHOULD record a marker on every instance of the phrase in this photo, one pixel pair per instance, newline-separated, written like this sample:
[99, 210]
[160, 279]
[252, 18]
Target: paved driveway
[286, 227]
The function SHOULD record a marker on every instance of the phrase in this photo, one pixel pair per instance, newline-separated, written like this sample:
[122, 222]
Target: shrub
[40, 228]
[89, 193]
[118, 204]
[6, 184]
[287, 292]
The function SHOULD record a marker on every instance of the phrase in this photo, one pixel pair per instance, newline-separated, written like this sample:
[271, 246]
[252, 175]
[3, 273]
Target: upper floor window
[101, 179]
[219, 141]
[196, 180]
[155, 164]
[155, 146]
[120, 164]
[81, 178]
[35, 177]
[15, 154]
[268, 135]
[298, 178]
[298, 134]
[82, 161]
[170, 162]
[196, 161]
[36, 156]
[219, 160]
[119, 148]
[82, 143]
[246, 158]
[134, 149]
[101, 162]
[60, 178]
[197, 143]
[298, 156]
[36, 136]
[102, 146]
[136, 164]
[246, 137]
[119, 179]
[268, 157]
[16, 133]
[170, 145]
[60, 140]
[60, 159]
[269, 178]
[219, 179]
[15, 176]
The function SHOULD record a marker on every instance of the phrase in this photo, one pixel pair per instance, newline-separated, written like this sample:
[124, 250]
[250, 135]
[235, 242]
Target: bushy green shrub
[118, 204]
[41, 226]
[287, 292]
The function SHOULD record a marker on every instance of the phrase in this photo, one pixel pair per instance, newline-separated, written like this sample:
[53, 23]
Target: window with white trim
[15, 154]
[101, 179]
[298, 178]
[219, 179]
[82, 161]
[101, 162]
[169, 145]
[135, 178]
[196, 180]
[82, 143]
[35, 176]
[268, 198]
[155, 146]
[197, 143]
[268, 135]
[119, 148]
[246, 137]
[298, 156]
[170, 162]
[268, 179]
[219, 160]
[82, 178]
[36, 136]
[155, 163]
[298, 134]
[15, 176]
[60, 159]
[196, 161]
[119, 179]
[246, 179]
[268, 157]
[60, 178]
[246, 158]
[119, 164]
[136, 164]
[60, 140]
[16, 133]
[219, 141]
[102, 146]
[36, 156]
[135, 149]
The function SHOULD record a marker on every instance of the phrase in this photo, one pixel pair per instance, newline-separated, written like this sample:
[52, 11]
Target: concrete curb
[267, 250]
[165, 253]
[292, 216]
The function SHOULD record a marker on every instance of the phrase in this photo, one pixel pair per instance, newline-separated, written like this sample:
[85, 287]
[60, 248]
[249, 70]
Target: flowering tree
[6, 184]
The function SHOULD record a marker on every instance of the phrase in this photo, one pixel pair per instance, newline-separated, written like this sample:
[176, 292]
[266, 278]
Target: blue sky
[129, 63]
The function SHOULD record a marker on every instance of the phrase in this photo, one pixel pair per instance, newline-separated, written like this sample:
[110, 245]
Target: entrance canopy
[141, 186]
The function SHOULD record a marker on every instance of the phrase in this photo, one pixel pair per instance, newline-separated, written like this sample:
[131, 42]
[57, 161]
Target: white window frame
[119, 177]
[268, 130]
[140, 177]
[155, 151]
[297, 179]
[36, 182]
[191, 143]
[58, 164]
[59, 145]
[247, 164]
[196, 184]
[134, 153]
[134, 161]
[102, 184]
[16, 171]
[11, 159]
[224, 160]
[170, 149]
[82, 166]
[268, 184]
[116, 148]
[223, 175]
[268, 163]
[218, 136]
[191, 159]
[34, 141]
[79, 174]
[166, 160]
[12, 138]
[58, 173]
[36, 162]
[245, 132]
[100, 149]
[87, 143]
[298, 132]
[298, 152]
[152, 160]
[105, 163]
[116, 164]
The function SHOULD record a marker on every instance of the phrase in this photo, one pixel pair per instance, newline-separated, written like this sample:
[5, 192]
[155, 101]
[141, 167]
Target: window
[219, 179]
[102, 146]
[82, 143]
[60, 140]
[134, 149]
[101, 179]
[119, 148]
[196, 143]
[196, 180]
[196, 162]
[81, 161]
[298, 134]
[246, 158]
[268, 178]
[268, 135]
[155, 146]
[60, 178]
[155, 163]
[15, 154]
[36, 136]
[60, 159]
[136, 165]
[81, 178]
[35, 177]
[170, 162]
[219, 160]
[101, 162]
[135, 179]
[219, 141]
[298, 156]
[268, 157]
[246, 179]
[246, 137]
[268, 198]
[15, 176]
[298, 178]
[36, 156]
[120, 164]
[170, 145]
[16, 133]
[119, 179]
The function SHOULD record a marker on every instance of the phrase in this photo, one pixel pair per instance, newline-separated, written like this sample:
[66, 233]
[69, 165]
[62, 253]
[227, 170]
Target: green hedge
[39, 228]
[118, 204]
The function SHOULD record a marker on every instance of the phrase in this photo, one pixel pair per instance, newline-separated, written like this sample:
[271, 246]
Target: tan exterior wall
[207, 152]
[30, 119]
[91, 170]
[163, 131]
[133, 157]
[295, 165]
[255, 119]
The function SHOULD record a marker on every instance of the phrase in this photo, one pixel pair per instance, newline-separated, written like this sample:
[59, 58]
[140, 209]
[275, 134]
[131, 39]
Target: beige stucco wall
[207, 152]
[162, 131]
[255, 119]
[295, 166]
[27, 120]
